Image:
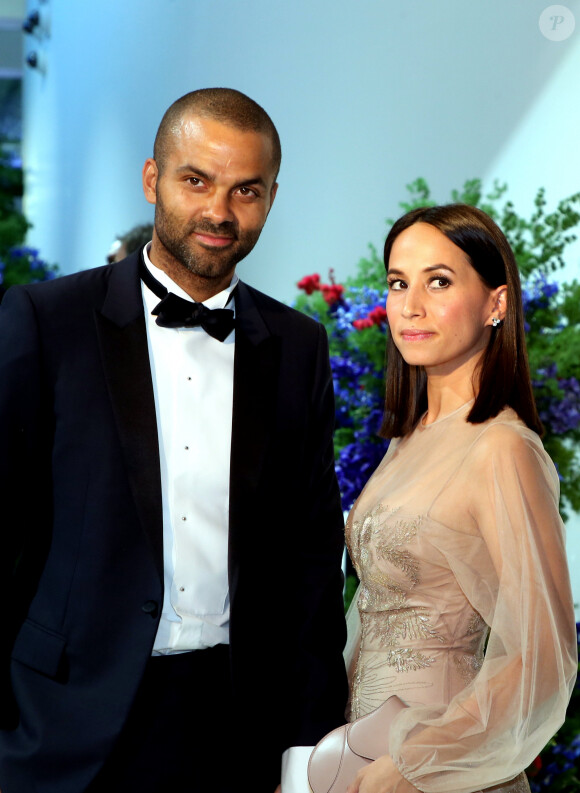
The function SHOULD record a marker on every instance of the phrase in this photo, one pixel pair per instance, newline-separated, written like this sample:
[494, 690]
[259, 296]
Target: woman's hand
[382, 776]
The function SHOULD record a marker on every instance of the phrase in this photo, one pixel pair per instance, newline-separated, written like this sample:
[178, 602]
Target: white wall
[367, 95]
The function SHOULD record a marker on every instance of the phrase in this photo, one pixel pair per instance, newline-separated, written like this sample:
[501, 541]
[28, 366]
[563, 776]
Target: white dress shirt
[193, 377]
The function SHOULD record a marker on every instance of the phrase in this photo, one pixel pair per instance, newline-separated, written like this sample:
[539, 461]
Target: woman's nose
[412, 304]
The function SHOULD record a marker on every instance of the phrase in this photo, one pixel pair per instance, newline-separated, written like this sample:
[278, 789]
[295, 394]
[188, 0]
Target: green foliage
[13, 224]
[538, 242]
[370, 271]
[18, 264]
[350, 587]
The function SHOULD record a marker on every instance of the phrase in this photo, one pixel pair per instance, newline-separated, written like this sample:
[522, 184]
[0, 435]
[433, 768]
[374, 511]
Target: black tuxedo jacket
[81, 538]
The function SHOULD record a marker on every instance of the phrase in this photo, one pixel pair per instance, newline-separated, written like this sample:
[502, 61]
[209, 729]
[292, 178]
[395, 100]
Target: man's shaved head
[225, 105]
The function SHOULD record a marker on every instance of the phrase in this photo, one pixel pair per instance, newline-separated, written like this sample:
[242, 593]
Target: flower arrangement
[18, 263]
[23, 265]
[355, 318]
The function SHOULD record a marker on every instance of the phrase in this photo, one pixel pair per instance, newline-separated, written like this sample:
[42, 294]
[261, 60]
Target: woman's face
[438, 309]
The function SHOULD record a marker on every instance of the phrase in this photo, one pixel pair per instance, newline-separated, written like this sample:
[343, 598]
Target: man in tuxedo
[172, 532]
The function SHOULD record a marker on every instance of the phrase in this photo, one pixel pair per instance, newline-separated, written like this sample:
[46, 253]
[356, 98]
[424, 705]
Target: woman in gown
[464, 608]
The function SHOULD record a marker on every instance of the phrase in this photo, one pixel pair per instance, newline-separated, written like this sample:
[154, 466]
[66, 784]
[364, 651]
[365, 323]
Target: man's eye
[194, 181]
[247, 192]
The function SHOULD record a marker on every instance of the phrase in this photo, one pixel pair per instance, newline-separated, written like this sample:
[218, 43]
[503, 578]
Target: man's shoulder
[89, 284]
[275, 312]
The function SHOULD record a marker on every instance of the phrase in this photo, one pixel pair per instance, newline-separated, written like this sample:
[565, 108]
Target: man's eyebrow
[193, 169]
[253, 180]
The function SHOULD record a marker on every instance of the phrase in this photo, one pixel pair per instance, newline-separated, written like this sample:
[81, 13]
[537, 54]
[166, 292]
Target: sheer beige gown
[457, 541]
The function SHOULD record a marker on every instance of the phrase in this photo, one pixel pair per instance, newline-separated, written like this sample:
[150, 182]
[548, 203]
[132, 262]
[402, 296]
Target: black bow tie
[175, 312]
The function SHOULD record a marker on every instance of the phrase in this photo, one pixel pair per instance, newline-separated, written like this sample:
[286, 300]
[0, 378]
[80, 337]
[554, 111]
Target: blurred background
[368, 95]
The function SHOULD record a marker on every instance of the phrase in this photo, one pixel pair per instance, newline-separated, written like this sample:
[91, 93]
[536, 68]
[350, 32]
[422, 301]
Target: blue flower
[20, 251]
[361, 300]
[560, 413]
[356, 462]
[537, 292]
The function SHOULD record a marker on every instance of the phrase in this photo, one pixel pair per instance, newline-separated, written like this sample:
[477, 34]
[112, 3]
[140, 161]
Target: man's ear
[273, 192]
[150, 177]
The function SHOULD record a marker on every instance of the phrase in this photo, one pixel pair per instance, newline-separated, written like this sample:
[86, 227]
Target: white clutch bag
[337, 758]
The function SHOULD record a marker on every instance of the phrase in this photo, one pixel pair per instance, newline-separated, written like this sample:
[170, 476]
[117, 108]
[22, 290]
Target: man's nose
[217, 208]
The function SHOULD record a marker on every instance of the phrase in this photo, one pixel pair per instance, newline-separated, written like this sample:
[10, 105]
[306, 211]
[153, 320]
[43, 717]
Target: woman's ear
[499, 305]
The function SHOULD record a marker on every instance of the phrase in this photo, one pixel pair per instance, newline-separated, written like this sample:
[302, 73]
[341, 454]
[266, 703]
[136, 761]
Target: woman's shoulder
[508, 432]
[505, 441]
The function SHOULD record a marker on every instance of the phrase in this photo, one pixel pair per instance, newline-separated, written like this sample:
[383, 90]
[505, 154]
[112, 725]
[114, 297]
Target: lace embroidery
[402, 534]
[389, 628]
[468, 664]
[476, 623]
[385, 617]
[370, 686]
[406, 659]
[388, 549]
[379, 589]
[361, 533]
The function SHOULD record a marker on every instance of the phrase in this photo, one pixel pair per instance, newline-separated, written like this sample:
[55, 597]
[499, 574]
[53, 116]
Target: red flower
[332, 293]
[360, 324]
[534, 769]
[310, 283]
[378, 315]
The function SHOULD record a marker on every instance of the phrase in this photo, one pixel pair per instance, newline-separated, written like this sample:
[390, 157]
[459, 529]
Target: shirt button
[182, 589]
[183, 518]
[186, 447]
[150, 607]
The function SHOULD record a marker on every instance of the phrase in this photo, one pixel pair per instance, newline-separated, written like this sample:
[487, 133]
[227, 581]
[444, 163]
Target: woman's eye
[396, 284]
[440, 282]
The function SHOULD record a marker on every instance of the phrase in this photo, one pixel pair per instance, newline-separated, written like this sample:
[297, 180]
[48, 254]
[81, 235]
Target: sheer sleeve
[503, 539]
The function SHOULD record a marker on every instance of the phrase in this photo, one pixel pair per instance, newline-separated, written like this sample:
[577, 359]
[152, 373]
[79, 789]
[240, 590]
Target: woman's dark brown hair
[503, 373]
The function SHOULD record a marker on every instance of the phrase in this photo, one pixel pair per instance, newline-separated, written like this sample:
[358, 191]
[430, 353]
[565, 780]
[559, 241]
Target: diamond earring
[496, 322]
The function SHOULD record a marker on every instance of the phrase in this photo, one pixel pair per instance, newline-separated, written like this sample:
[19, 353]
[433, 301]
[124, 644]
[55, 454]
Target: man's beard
[176, 238]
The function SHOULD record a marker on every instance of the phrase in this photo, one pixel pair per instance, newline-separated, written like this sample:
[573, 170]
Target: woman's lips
[412, 334]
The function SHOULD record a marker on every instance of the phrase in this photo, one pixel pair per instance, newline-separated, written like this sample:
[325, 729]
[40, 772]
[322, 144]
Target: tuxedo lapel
[125, 357]
[123, 345]
[256, 367]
